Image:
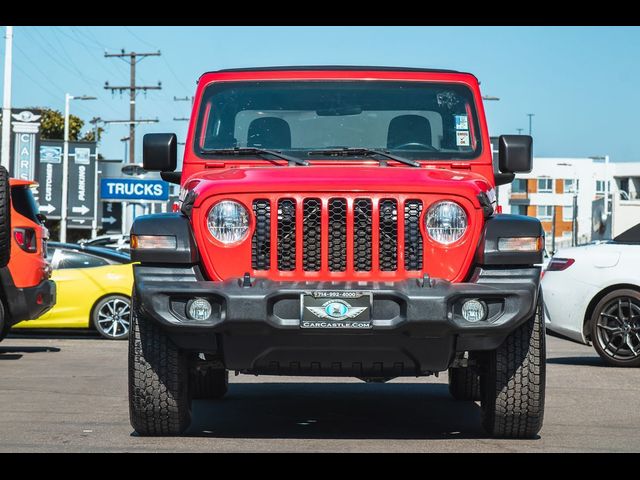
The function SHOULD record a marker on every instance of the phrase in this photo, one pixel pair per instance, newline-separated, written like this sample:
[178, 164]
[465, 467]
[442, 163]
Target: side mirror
[515, 153]
[160, 152]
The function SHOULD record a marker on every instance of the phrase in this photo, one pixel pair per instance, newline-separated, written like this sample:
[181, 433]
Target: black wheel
[464, 384]
[208, 383]
[159, 401]
[5, 218]
[615, 328]
[513, 383]
[111, 317]
[4, 324]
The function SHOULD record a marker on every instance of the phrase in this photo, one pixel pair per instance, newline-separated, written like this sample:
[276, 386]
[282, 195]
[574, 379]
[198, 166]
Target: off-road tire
[159, 401]
[208, 383]
[513, 383]
[4, 323]
[5, 218]
[464, 384]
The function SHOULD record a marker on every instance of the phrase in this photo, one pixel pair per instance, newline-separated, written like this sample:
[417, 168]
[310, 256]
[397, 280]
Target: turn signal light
[151, 242]
[559, 264]
[520, 244]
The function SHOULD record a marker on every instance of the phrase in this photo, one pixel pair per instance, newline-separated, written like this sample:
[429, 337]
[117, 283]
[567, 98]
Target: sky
[580, 82]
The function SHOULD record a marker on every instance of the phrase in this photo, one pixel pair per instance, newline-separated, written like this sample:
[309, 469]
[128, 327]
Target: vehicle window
[72, 259]
[24, 203]
[415, 119]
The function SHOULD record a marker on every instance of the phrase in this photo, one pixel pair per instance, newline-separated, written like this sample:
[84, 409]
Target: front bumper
[27, 303]
[415, 328]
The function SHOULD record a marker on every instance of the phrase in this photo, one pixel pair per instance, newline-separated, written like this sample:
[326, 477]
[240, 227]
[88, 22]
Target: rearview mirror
[515, 153]
[160, 152]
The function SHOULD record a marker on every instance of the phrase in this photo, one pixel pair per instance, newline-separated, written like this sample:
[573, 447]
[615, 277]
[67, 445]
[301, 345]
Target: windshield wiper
[365, 152]
[255, 151]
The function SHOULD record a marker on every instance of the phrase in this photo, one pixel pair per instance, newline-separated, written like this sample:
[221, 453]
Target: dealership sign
[125, 189]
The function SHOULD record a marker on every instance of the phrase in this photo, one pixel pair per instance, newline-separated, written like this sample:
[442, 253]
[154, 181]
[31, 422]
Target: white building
[550, 188]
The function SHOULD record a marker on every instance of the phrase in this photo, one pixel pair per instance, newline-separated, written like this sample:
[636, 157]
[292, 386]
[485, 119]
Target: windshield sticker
[461, 122]
[462, 138]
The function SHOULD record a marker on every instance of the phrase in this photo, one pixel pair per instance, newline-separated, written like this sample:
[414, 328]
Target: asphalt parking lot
[69, 393]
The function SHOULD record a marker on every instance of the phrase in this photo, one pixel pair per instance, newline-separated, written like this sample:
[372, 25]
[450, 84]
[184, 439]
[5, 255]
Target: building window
[519, 185]
[545, 212]
[519, 209]
[567, 214]
[571, 185]
[567, 235]
[600, 187]
[545, 185]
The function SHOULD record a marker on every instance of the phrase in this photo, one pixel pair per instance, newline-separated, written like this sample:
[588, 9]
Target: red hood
[337, 179]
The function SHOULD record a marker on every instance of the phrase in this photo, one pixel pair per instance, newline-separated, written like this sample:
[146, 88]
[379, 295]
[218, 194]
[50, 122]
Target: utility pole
[530, 115]
[94, 223]
[6, 103]
[133, 59]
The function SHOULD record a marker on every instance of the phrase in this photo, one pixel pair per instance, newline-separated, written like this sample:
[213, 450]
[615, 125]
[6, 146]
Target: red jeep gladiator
[337, 221]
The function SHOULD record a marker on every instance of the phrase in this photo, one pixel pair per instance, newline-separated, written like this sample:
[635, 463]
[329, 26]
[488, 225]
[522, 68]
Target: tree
[90, 136]
[52, 125]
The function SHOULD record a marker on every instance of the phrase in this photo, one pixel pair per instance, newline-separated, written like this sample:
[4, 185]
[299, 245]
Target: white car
[592, 295]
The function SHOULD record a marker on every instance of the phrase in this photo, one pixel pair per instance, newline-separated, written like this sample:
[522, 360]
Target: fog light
[199, 309]
[473, 310]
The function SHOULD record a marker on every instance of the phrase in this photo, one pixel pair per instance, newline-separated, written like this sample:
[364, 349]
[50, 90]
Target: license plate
[336, 309]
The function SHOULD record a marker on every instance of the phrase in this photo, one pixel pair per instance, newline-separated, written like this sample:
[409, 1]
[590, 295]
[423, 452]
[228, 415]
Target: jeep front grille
[338, 234]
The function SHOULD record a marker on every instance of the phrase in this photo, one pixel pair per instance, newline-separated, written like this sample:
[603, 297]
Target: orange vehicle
[26, 291]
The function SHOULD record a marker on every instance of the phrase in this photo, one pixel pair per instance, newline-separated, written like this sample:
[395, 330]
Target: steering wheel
[422, 146]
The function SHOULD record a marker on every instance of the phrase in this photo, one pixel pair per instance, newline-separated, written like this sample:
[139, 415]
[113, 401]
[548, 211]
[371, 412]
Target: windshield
[417, 120]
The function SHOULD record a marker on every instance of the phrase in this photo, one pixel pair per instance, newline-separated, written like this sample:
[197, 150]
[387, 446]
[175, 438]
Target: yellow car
[93, 290]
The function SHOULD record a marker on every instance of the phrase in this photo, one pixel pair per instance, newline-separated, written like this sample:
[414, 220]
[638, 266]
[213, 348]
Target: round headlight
[228, 221]
[446, 222]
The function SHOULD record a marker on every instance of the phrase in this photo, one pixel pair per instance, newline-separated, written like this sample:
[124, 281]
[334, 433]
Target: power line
[48, 54]
[133, 59]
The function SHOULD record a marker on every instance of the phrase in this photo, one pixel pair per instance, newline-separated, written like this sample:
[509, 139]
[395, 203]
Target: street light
[530, 115]
[65, 164]
[489, 97]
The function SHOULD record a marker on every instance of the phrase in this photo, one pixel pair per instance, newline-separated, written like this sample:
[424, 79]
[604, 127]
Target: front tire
[513, 384]
[464, 384]
[615, 328]
[208, 383]
[159, 401]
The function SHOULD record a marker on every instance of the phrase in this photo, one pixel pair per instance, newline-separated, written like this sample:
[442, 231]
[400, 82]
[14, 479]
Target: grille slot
[286, 234]
[311, 236]
[362, 212]
[413, 246]
[261, 241]
[337, 235]
[388, 253]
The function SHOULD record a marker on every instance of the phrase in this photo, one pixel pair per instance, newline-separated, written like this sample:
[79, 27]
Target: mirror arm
[171, 177]
[504, 178]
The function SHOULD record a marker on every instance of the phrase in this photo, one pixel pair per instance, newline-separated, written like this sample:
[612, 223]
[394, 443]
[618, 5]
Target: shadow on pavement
[10, 356]
[337, 411]
[56, 333]
[589, 361]
[14, 349]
